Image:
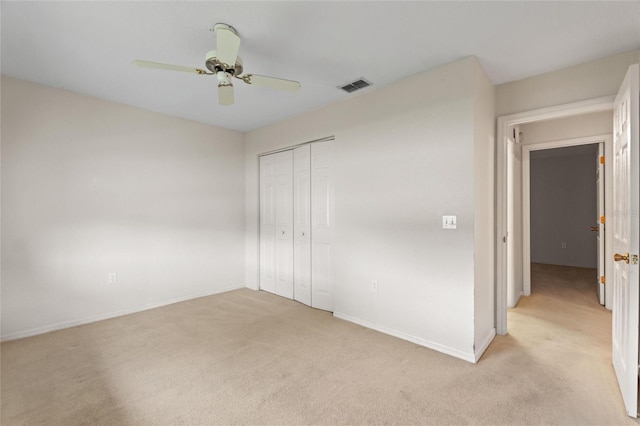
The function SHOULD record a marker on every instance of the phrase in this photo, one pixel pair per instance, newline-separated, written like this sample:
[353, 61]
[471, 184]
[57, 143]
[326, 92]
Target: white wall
[404, 157]
[597, 123]
[585, 81]
[483, 189]
[91, 187]
[563, 206]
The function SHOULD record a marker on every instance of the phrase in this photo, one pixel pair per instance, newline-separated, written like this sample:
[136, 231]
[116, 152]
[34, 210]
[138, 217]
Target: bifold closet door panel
[322, 225]
[297, 224]
[302, 224]
[268, 223]
[284, 224]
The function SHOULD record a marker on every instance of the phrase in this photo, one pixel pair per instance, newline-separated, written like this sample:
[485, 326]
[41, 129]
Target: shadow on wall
[564, 206]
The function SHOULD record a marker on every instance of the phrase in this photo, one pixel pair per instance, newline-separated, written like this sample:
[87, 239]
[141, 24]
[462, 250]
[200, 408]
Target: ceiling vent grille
[360, 83]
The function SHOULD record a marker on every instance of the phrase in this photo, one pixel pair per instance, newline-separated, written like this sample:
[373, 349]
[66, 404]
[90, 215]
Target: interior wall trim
[465, 356]
[114, 314]
[288, 148]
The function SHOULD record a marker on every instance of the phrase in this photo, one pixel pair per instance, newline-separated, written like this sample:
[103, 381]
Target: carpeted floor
[248, 357]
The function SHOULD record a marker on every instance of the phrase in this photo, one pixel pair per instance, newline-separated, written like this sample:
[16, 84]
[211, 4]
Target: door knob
[593, 228]
[618, 257]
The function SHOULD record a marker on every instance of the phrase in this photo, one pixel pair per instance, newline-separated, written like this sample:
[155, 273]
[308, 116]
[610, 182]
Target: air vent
[360, 83]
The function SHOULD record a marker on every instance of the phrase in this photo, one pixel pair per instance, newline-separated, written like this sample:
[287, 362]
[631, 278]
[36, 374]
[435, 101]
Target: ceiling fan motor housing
[214, 65]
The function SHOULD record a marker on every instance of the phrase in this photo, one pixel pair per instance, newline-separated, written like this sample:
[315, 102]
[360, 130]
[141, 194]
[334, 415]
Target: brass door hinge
[602, 219]
[603, 280]
[601, 160]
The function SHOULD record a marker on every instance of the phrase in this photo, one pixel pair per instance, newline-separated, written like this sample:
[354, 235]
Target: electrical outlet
[112, 278]
[564, 245]
[374, 285]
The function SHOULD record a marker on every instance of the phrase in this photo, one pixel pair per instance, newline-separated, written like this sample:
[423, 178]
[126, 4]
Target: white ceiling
[87, 47]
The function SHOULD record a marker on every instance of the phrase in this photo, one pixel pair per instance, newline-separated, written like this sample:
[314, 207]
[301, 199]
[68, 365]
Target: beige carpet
[249, 357]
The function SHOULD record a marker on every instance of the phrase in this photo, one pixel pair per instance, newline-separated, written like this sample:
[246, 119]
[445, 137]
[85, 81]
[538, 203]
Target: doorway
[563, 206]
[624, 233]
[563, 213]
[562, 240]
[508, 243]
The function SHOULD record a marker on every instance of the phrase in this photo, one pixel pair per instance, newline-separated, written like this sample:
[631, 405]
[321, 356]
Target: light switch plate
[449, 222]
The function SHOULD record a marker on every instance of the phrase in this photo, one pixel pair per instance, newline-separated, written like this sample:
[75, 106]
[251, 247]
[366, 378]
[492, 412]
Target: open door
[599, 228]
[626, 182]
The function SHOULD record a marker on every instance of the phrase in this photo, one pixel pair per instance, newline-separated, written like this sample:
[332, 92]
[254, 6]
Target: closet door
[268, 223]
[322, 225]
[302, 224]
[284, 224]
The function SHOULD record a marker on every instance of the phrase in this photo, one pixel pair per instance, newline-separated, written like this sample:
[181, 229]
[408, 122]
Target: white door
[512, 296]
[600, 226]
[268, 223]
[302, 224]
[626, 181]
[284, 224]
[322, 225]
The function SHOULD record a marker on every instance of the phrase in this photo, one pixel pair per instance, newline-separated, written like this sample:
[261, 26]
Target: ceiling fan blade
[228, 44]
[225, 95]
[271, 82]
[158, 65]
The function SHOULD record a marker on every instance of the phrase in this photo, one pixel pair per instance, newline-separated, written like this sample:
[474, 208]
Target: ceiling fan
[225, 63]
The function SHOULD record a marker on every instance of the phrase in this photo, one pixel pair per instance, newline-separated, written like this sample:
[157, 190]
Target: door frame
[607, 141]
[503, 197]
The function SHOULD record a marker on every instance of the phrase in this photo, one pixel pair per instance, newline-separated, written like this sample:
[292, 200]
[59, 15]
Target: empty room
[317, 212]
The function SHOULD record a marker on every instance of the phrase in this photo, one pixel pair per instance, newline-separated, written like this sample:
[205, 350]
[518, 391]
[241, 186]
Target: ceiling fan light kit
[214, 64]
[225, 64]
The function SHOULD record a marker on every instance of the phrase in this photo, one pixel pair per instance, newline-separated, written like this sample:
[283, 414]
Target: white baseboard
[485, 344]
[515, 303]
[87, 320]
[252, 287]
[469, 357]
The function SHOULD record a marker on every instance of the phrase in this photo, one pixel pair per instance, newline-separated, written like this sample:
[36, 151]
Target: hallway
[563, 327]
